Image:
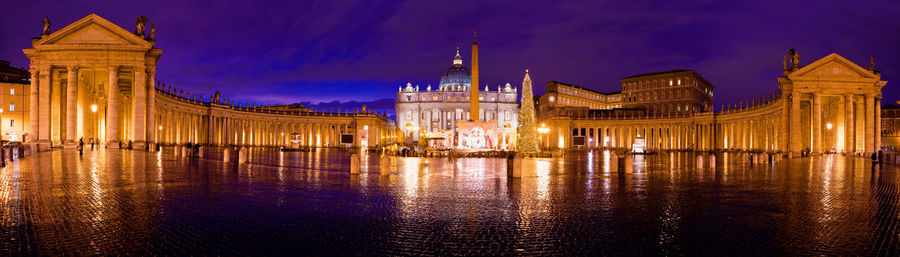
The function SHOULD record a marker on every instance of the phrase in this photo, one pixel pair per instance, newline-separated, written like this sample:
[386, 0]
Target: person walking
[81, 146]
[92, 144]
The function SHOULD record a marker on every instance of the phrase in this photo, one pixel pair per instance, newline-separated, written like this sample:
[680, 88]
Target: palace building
[95, 80]
[435, 113]
[830, 105]
[14, 88]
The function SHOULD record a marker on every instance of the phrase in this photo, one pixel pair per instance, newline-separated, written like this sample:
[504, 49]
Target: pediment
[93, 30]
[834, 66]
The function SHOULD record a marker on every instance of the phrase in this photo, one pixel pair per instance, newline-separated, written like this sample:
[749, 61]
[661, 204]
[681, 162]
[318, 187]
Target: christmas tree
[527, 141]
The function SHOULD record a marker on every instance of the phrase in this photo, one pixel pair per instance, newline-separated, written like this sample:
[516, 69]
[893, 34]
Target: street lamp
[94, 111]
[543, 130]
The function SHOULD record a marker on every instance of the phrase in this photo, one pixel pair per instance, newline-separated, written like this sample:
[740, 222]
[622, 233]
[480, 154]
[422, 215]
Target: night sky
[347, 53]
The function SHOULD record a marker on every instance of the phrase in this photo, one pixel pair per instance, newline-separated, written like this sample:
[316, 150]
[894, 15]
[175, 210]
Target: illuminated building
[437, 113]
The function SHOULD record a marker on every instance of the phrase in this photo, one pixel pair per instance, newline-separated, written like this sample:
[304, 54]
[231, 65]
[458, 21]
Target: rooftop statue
[871, 63]
[46, 22]
[152, 35]
[140, 26]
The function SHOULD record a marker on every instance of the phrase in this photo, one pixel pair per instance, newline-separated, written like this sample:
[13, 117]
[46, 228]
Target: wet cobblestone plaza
[119, 202]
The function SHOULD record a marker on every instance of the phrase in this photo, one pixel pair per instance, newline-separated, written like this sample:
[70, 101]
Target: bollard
[200, 151]
[627, 163]
[226, 156]
[514, 166]
[385, 165]
[354, 163]
[184, 151]
[700, 161]
[613, 161]
[712, 160]
[242, 155]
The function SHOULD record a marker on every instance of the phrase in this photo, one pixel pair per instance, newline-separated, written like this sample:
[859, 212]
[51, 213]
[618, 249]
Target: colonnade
[187, 121]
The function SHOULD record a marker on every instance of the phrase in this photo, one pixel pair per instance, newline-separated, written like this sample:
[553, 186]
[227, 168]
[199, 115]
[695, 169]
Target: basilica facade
[435, 113]
[94, 80]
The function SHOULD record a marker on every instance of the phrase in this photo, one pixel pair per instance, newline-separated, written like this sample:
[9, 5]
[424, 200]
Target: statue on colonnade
[46, 22]
[140, 26]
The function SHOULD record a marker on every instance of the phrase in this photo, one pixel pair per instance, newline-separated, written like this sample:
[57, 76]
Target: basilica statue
[46, 22]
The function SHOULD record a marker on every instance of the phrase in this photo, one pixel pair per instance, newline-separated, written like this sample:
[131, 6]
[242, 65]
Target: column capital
[114, 67]
[71, 67]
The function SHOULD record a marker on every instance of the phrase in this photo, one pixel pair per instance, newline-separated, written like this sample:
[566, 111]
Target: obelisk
[473, 111]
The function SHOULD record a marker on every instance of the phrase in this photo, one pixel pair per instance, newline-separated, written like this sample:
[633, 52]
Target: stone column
[870, 124]
[151, 106]
[794, 120]
[43, 108]
[877, 123]
[785, 125]
[849, 123]
[71, 99]
[33, 105]
[139, 107]
[817, 123]
[112, 108]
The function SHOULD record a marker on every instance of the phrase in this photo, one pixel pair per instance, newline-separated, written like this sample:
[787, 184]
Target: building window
[670, 82]
[12, 91]
[12, 107]
[12, 123]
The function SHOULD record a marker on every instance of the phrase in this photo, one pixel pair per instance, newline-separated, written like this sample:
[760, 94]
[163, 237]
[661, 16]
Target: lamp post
[94, 113]
[543, 130]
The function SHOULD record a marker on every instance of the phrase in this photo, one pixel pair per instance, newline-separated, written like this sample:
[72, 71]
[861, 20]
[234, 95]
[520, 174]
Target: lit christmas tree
[527, 142]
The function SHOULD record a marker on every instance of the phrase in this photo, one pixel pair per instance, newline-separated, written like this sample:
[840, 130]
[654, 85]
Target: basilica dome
[457, 76]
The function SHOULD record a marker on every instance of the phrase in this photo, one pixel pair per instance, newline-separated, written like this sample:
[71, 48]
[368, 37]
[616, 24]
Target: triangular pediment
[93, 30]
[833, 66]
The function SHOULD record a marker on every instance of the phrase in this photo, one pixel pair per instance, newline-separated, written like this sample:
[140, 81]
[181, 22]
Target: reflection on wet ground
[116, 202]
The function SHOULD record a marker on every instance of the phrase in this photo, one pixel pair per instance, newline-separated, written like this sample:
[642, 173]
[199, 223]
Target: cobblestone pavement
[116, 202]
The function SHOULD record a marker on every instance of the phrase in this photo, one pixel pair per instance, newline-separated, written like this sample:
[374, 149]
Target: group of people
[193, 149]
[81, 145]
[877, 158]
